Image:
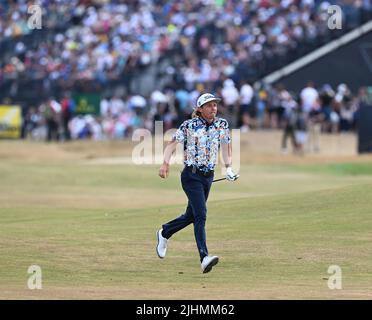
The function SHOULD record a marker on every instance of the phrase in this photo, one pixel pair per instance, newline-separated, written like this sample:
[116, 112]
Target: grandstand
[110, 52]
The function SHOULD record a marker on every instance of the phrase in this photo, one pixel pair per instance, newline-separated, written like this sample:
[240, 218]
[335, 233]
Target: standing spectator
[68, 108]
[51, 111]
[247, 115]
[116, 106]
[273, 107]
[31, 122]
[311, 108]
[105, 107]
[301, 130]
[315, 122]
[181, 115]
[230, 97]
[334, 120]
[261, 105]
[326, 100]
[290, 123]
[341, 114]
[309, 98]
[347, 112]
[284, 99]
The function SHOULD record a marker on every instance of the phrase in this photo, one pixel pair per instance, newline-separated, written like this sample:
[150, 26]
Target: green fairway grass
[91, 228]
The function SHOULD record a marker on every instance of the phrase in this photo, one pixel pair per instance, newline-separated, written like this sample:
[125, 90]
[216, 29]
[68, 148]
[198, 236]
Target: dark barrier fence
[351, 64]
[365, 129]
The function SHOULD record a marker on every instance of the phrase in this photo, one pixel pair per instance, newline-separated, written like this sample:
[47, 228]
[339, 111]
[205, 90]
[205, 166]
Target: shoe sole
[211, 265]
[157, 252]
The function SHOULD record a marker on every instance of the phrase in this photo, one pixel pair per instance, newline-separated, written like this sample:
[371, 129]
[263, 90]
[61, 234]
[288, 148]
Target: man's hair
[195, 114]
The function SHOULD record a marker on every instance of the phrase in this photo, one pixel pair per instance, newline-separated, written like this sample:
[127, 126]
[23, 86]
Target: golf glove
[230, 175]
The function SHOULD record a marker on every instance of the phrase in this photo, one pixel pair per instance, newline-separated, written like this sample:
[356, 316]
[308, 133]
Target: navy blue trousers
[197, 189]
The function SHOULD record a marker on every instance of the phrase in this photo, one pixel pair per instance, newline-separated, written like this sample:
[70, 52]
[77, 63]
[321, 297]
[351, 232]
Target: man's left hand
[230, 174]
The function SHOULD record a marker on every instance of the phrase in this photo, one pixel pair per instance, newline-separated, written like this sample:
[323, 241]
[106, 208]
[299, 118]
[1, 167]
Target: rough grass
[91, 227]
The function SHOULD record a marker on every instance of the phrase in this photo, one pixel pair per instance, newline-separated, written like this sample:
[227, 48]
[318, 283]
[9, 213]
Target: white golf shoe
[161, 248]
[208, 262]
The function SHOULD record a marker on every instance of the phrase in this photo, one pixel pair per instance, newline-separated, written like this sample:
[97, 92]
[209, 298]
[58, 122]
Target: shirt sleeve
[180, 134]
[225, 133]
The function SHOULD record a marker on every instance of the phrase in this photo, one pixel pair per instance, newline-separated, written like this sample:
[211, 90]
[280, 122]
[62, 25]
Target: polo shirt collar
[206, 123]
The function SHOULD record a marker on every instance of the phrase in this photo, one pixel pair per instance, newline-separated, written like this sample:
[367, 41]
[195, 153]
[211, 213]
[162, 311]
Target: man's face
[208, 110]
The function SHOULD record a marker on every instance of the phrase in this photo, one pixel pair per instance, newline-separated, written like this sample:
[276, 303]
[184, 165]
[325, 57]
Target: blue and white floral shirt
[201, 141]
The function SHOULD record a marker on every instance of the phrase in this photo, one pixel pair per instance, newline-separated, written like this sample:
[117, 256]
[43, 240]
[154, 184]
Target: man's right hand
[164, 171]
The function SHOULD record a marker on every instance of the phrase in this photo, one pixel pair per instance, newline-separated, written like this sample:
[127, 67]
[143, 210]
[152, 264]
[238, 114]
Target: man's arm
[227, 159]
[226, 154]
[169, 149]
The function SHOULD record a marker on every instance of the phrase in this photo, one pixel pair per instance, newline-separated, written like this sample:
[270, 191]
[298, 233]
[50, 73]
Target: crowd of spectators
[15, 16]
[100, 41]
[332, 110]
[247, 39]
[208, 41]
[219, 46]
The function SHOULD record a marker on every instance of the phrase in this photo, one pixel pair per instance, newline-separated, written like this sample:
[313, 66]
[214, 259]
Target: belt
[196, 170]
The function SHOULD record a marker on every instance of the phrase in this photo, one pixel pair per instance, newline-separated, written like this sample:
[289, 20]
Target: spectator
[94, 46]
[261, 105]
[336, 112]
[247, 114]
[31, 122]
[326, 99]
[309, 98]
[290, 124]
[273, 107]
[51, 111]
[230, 96]
[300, 130]
[67, 110]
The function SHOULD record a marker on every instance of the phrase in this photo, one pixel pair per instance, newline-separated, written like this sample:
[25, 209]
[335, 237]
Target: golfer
[202, 137]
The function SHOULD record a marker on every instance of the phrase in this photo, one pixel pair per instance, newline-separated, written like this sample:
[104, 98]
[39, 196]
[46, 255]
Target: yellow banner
[10, 121]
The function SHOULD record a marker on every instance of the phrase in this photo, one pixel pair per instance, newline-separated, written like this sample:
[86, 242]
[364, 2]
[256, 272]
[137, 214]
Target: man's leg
[179, 223]
[195, 192]
[317, 131]
[293, 138]
[284, 138]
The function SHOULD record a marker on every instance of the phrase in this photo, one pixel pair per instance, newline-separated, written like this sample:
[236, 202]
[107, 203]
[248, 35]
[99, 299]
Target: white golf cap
[204, 98]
